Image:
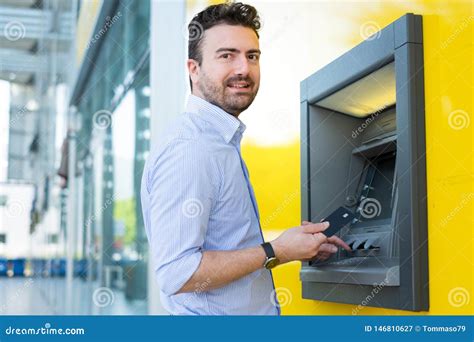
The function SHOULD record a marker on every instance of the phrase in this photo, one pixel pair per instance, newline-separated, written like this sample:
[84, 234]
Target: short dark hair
[227, 13]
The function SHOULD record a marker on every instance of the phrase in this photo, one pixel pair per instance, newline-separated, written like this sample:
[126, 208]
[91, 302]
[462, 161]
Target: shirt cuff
[174, 275]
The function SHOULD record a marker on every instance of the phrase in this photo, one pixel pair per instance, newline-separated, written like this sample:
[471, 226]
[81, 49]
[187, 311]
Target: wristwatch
[271, 260]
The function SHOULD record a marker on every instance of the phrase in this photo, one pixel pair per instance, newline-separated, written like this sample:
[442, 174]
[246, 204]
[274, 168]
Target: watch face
[271, 262]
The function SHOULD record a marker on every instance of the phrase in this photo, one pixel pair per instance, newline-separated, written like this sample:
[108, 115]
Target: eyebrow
[237, 50]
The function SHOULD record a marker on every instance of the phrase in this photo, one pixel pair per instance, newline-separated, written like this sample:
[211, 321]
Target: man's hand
[300, 243]
[330, 246]
[306, 242]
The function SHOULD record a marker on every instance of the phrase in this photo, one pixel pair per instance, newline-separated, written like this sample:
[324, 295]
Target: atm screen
[377, 190]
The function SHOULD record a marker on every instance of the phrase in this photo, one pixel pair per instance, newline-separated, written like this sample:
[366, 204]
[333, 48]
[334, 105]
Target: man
[199, 207]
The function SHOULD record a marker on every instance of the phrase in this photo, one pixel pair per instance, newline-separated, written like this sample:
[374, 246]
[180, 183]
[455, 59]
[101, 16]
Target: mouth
[239, 86]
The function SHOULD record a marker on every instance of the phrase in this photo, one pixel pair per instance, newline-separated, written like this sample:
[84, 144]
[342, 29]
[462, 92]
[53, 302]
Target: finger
[327, 248]
[323, 256]
[314, 228]
[319, 239]
[305, 223]
[339, 242]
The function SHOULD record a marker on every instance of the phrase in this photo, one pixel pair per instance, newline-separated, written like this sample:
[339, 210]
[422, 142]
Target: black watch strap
[267, 247]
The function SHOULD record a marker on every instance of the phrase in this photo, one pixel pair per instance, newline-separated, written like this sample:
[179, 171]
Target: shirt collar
[224, 123]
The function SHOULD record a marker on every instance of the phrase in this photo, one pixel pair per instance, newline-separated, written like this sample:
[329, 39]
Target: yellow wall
[448, 55]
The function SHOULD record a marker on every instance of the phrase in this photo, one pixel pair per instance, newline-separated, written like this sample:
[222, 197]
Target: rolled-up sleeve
[182, 184]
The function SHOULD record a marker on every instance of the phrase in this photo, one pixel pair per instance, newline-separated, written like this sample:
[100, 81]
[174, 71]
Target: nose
[242, 66]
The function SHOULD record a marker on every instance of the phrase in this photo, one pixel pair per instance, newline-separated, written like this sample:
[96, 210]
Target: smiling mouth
[239, 85]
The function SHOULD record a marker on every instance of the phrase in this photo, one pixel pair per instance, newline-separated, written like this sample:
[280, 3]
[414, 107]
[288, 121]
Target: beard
[224, 97]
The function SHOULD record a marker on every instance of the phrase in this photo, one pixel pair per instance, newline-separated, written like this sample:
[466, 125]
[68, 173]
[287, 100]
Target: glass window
[119, 84]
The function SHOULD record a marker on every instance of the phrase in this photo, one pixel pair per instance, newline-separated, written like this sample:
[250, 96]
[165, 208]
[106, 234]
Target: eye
[225, 55]
[254, 57]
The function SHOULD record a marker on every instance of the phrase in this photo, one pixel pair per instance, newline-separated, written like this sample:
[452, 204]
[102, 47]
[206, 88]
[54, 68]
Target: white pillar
[168, 89]
[71, 208]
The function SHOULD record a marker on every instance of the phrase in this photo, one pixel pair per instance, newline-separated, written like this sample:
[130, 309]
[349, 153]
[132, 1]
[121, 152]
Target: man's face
[229, 75]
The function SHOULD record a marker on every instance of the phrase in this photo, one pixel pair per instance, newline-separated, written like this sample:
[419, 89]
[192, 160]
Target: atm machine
[363, 147]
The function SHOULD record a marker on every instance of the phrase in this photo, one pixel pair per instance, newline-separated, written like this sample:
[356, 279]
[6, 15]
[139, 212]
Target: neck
[199, 94]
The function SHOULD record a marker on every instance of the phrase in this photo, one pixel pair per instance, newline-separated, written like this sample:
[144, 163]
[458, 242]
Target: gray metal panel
[378, 296]
[305, 172]
[421, 265]
[412, 168]
[329, 159]
[407, 29]
[357, 271]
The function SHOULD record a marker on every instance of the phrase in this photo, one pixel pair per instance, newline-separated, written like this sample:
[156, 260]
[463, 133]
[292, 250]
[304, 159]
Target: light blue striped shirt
[196, 196]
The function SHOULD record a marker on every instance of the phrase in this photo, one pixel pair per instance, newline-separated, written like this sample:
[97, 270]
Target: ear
[193, 69]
